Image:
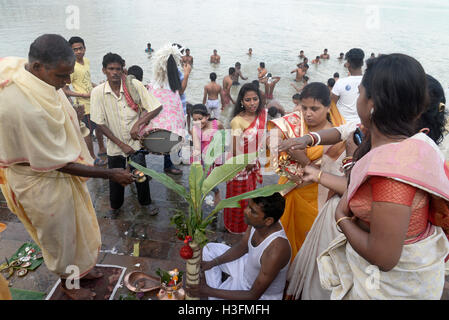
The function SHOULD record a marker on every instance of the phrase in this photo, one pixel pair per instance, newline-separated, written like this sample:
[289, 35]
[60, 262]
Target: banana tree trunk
[193, 268]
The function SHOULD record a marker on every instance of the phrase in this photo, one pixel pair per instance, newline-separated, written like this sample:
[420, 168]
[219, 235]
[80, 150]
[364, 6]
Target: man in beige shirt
[120, 124]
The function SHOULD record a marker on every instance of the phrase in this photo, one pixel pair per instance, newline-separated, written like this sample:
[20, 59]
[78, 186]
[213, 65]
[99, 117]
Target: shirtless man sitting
[301, 54]
[270, 82]
[299, 72]
[210, 99]
[325, 55]
[261, 71]
[250, 52]
[237, 74]
[257, 265]
[215, 58]
[187, 58]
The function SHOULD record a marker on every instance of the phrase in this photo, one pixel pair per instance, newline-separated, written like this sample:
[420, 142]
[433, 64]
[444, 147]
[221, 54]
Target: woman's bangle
[347, 159]
[319, 176]
[318, 138]
[339, 220]
[313, 140]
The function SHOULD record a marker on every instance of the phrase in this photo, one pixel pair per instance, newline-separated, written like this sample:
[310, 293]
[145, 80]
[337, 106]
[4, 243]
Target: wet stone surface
[155, 236]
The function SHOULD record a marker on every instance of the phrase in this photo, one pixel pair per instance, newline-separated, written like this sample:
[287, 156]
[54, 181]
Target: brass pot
[139, 176]
[138, 281]
[175, 292]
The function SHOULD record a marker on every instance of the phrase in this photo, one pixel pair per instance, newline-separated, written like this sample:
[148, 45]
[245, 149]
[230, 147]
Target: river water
[276, 30]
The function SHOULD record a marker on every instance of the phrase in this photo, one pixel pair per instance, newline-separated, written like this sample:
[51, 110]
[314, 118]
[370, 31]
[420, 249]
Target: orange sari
[301, 203]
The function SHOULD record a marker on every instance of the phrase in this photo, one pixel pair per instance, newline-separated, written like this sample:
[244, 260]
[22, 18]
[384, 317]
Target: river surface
[276, 30]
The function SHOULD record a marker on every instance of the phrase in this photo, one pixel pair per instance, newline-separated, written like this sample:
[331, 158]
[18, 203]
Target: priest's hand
[121, 176]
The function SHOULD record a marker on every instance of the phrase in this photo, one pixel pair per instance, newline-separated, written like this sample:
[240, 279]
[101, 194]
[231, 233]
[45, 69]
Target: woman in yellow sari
[315, 113]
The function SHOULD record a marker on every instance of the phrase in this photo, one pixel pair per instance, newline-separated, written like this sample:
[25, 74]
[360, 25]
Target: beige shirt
[113, 112]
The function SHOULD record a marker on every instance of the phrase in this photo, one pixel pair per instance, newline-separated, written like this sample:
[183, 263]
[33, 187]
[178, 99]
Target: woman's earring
[371, 113]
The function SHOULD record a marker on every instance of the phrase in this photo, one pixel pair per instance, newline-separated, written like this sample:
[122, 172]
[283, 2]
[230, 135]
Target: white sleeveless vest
[252, 268]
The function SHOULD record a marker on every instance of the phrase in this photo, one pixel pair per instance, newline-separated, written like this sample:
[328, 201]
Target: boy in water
[237, 74]
[215, 58]
[299, 72]
[261, 71]
[296, 99]
[325, 55]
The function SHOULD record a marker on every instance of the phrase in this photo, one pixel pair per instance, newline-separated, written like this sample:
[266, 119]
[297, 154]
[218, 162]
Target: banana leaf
[20, 294]
[164, 179]
[200, 237]
[195, 181]
[215, 149]
[261, 192]
[226, 171]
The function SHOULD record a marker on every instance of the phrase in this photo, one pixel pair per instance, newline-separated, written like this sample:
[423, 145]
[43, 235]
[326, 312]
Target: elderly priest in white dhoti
[45, 162]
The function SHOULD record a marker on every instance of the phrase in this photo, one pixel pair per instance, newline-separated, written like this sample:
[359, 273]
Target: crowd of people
[366, 218]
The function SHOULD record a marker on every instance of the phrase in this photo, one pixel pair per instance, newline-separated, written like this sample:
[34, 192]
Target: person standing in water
[270, 82]
[211, 93]
[237, 74]
[215, 58]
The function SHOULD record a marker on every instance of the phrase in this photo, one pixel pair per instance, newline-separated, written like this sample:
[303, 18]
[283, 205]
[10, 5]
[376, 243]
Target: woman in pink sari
[247, 129]
[394, 215]
[166, 86]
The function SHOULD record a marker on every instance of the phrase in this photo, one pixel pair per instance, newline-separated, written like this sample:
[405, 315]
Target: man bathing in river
[215, 58]
[210, 99]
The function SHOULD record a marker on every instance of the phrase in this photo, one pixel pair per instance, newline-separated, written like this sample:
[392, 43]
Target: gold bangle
[319, 176]
[339, 220]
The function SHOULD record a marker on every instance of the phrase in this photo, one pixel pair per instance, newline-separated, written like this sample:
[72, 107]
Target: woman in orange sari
[247, 130]
[316, 113]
